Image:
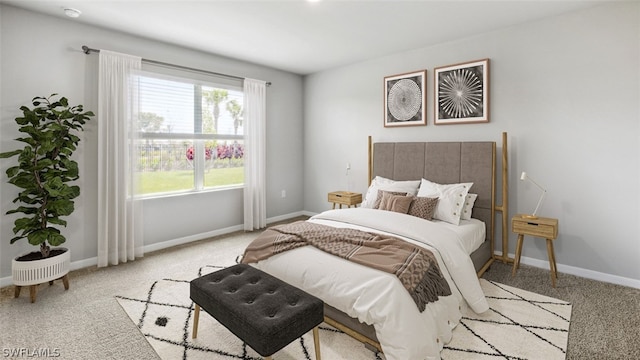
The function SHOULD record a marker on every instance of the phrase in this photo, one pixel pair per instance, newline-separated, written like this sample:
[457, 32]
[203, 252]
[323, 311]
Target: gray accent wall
[41, 55]
[566, 89]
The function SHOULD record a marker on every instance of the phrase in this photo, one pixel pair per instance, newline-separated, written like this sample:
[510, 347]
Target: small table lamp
[524, 177]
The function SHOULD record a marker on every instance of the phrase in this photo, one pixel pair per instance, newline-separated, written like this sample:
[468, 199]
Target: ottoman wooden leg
[16, 291]
[316, 342]
[196, 317]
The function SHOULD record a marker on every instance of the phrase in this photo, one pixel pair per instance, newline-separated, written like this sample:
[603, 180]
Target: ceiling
[301, 36]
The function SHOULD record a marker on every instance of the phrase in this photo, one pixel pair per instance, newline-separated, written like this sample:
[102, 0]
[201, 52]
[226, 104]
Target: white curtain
[119, 226]
[255, 210]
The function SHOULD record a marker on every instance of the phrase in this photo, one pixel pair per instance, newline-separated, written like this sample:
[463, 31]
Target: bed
[373, 306]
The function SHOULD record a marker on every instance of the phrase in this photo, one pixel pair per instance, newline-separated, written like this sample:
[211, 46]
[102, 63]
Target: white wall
[41, 55]
[566, 89]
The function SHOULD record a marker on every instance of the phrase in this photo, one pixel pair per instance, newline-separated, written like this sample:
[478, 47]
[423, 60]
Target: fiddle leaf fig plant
[44, 169]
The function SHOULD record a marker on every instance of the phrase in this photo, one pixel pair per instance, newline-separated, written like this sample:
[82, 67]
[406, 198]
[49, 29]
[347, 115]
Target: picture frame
[405, 99]
[461, 93]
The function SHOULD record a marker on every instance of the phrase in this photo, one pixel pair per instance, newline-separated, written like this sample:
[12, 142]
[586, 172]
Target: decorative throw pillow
[381, 183]
[467, 209]
[397, 203]
[451, 199]
[423, 207]
[383, 197]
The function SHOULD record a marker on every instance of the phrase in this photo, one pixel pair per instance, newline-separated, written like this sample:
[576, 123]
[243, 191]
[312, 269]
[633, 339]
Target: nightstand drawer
[534, 227]
[345, 197]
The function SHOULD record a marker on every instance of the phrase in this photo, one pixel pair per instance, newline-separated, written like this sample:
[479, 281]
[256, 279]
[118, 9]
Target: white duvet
[378, 298]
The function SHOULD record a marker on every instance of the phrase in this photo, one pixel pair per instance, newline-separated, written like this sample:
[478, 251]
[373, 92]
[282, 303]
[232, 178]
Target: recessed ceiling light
[72, 13]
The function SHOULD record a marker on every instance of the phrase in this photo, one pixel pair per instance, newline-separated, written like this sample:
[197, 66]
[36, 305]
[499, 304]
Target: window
[189, 135]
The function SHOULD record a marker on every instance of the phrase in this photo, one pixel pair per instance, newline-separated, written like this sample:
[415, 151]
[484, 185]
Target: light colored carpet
[519, 325]
[86, 321]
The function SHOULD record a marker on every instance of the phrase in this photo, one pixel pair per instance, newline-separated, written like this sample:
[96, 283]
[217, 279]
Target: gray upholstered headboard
[444, 163]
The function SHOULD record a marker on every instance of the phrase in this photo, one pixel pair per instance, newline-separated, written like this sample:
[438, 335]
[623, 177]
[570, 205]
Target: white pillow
[381, 183]
[451, 199]
[468, 206]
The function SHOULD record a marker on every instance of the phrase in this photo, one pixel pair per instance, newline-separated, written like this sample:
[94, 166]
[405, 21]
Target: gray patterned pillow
[423, 207]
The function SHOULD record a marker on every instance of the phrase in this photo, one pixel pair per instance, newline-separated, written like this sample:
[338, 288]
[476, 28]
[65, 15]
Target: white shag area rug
[519, 325]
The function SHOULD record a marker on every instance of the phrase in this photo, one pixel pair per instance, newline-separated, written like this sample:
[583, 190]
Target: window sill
[188, 192]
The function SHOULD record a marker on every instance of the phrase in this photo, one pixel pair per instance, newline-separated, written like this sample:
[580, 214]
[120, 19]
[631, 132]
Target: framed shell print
[461, 93]
[405, 99]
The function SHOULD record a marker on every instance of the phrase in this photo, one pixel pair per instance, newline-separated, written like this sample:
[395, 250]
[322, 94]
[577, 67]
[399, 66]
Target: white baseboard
[286, 217]
[585, 273]
[190, 238]
[79, 264]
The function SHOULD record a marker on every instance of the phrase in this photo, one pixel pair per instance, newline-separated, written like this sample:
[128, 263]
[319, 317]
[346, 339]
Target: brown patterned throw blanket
[415, 267]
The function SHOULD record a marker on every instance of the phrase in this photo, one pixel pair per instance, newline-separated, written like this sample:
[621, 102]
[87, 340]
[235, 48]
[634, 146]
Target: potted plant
[43, 173]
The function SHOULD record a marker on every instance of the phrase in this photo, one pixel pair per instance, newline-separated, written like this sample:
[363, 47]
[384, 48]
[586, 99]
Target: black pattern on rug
[158, 316]
[501, 318]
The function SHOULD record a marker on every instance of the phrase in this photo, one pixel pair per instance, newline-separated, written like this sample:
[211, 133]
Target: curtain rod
[87, 50]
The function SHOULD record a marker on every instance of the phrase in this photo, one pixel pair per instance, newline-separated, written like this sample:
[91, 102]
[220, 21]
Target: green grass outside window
[180, 180]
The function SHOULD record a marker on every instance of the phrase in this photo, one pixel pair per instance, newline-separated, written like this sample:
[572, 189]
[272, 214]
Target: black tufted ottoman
[263, 311]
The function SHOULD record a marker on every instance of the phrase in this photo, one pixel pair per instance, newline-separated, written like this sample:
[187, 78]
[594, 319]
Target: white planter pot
[35, 272]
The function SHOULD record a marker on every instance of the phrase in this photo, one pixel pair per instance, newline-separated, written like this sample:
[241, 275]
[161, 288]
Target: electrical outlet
[283, 194]
[348, 166]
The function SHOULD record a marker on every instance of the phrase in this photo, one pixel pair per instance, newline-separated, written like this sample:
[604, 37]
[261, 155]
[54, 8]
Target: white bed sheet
[378, 298]
[471, 233]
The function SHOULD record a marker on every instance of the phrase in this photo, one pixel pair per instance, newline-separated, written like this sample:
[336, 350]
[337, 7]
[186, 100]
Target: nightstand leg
[334, 205]
[552, 262]
[516, 261]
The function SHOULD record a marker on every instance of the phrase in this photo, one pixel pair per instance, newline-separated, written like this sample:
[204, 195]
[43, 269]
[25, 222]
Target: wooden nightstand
[345, 198]
[545, 228]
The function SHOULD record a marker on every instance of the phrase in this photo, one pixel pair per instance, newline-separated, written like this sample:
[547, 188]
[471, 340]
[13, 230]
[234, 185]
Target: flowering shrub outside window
[208, 152]
[223, 151]
[232, 151]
